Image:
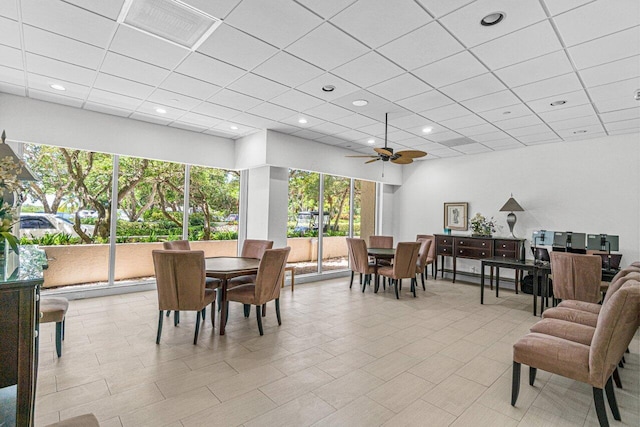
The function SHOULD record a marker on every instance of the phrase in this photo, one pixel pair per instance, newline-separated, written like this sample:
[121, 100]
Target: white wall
[590, 186]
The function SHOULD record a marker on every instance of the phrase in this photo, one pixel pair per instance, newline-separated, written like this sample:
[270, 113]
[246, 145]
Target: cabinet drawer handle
[444, 250]
[460, 250]
[483, 253]
[504, 255]
[504, 246]
[483, 243]
[462, 242]
[445, 240]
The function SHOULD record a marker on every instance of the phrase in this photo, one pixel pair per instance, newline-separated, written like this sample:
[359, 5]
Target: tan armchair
[180, 278]
[404, 267]
[592, 364]
[359, 261]
[267, 284]
[423, 253]
[431, 257]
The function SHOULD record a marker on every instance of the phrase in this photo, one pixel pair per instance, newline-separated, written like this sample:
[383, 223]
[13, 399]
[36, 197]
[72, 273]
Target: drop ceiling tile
[400, 87]
[596, 19]
[474, 131]
[61, 48]
[533, 70]
[12, 89]
[633, 124]
[146, 48]
[375, 108]
[99, 108]
[420, 47]
[209, 69]
[287, 69]
[78, 24]
[365, 19]
[235, 100]
[296, 100]
[216, 111]
[278, 22]
[271, 111]
[456, 68]
[230, 127]
[58, 69]
[328, 112]
[491, 137]
[445, 152]
[331, 140]
[623, 132]
[503, 144]
[473, 148]
[606, 49]
[557, 7]
[11, 57]
[577, 131]
[518, 122]
[217, 8]
[56, 99]
[555, 115]
[122, 86]
[543, 138]
[254, 121]
[615, 116]
[528, 43]
[623, 91]
[529, 130]
[355, 121]
[425, 101]
[423, 145]
[43, 84]
[294, 121]
[109, 9]
[575, 123]
[319, 47]
[585, 136]
[439, 8]
[235, 47]
[410, 121]
[326, 8]
[151, 119]
[308, 134]
[368, 70]
[173, 100]
[258, 87]
[399, 135]
[465, 22]
[10, 33]
[9, 10]
[443, 136]
[554, 86]
[220, 133]
[572, 99]
[505, 113]
[199, 119]
[111, 99]
[351, 135]
[611, 72]
[375, 129]
[314, 87]
[473, 87]
[179, 83]
[150, 108]
[187, 126]
[12, 75]
[131, 69]
[501, 99]
[463, 122]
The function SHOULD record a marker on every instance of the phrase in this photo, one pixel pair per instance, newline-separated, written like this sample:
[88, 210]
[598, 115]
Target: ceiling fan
[386, 154]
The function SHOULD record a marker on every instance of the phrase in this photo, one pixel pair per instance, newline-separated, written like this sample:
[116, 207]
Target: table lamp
[511, 206]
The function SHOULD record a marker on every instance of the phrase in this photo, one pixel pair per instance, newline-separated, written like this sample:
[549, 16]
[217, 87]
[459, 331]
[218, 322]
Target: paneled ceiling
[429, 63]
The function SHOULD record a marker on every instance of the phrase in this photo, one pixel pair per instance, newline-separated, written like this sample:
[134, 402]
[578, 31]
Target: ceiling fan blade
[412, 154]
[383, 151]
[402, 160]
[371, 161]
[362, 156]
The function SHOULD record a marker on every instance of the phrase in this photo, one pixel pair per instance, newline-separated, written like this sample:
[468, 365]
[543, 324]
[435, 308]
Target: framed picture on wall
[455, 216]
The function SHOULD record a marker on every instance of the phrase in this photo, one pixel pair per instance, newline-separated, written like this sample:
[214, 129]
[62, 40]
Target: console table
[471, 247]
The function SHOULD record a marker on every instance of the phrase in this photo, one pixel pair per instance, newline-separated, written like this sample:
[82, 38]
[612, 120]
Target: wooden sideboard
[471, 247]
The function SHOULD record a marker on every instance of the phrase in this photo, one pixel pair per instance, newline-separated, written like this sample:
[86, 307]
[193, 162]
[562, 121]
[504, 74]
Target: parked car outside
[39, 224]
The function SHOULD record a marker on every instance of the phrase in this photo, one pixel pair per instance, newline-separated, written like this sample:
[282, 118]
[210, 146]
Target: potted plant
[481, 226]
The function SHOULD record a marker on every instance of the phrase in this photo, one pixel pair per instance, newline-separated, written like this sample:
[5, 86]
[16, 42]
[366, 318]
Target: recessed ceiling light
[579, 131]
[507, 112]
[233, 127]
[328, 88]
[57, 87]
[428, 129]
[161, 110]
[360, 102]
[302, 120]
[492, 19]
[556, 103]
[371, 141]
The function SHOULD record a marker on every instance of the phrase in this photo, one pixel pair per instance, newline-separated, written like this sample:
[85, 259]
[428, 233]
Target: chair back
[405, 260]
[431, 256]
[270, 274]
[180, 277]
[358, 258]
[385, 242]
[177, 245]
[622, 273]
[617, 324]
[576, 276]
[617, 284]
[425, 246]
[255, 248]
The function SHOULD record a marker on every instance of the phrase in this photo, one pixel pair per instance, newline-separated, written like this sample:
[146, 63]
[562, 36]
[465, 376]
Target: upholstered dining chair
[576, 276]
[421, 264]
[593, 364]
[431, 257]
[385, 242]
[404, 267]
[176, 245]
[267, 284]
[251, 248]
[359, 261]
[180, 279]
[54, 309]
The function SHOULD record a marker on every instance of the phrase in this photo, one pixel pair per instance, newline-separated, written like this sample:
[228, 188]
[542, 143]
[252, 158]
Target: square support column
[267, 201]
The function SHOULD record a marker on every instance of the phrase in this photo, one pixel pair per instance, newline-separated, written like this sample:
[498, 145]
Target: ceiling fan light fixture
[360, 102]
[492, 19]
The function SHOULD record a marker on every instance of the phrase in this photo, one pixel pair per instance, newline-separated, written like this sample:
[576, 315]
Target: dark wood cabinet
[472, 247]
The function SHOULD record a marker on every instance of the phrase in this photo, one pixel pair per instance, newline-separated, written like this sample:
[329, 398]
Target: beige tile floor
[340, 358]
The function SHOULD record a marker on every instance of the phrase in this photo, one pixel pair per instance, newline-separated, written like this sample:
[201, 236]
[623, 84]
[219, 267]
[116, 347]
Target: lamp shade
[511, 206]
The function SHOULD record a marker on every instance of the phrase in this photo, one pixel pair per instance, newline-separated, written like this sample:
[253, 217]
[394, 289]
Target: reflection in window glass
[336, 222]
[303, 220]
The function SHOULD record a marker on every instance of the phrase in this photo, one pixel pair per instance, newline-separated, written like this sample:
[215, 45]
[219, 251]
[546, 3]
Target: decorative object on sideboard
[455, 216]
[511, 206]
[481, 226]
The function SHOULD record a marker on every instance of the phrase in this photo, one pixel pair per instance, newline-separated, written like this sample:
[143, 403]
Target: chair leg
[361, 278]
[414, 285]
[351, 281]
[213, 313]
[515, 383]
[247, 309]
[611, 397]
[616, 378]
[366, 280]
[424, 288]
[377, 284]
[204, 313]
[227, 318]
[64, 327]
[168, 313]
[532, 374]
[397, 285]
[59, 338]
[598, 400]
[176, 318]
[259, 317]
[264, 310]
[159, 328]
[278, 311]
[195, 337]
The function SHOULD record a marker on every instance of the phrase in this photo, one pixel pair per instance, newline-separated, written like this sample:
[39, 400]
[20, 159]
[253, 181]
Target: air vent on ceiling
[457, 142]
[170, 20]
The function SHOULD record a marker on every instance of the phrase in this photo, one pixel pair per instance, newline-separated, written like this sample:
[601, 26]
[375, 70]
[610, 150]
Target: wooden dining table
[225, 268]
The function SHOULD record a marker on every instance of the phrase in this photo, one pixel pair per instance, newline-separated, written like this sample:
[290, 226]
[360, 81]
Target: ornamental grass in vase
[481, 226]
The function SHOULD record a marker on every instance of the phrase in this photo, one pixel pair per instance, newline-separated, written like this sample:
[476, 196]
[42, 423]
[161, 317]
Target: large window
[336, 201]
[304, 220]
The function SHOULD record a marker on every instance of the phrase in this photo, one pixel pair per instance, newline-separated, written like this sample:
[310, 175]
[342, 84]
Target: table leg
[293, 278]
[454, 269]
[544, 293]
[223, 303]
[497, 281]
[482, 283]
[536, 289]
[491, 278]
[518, 272]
